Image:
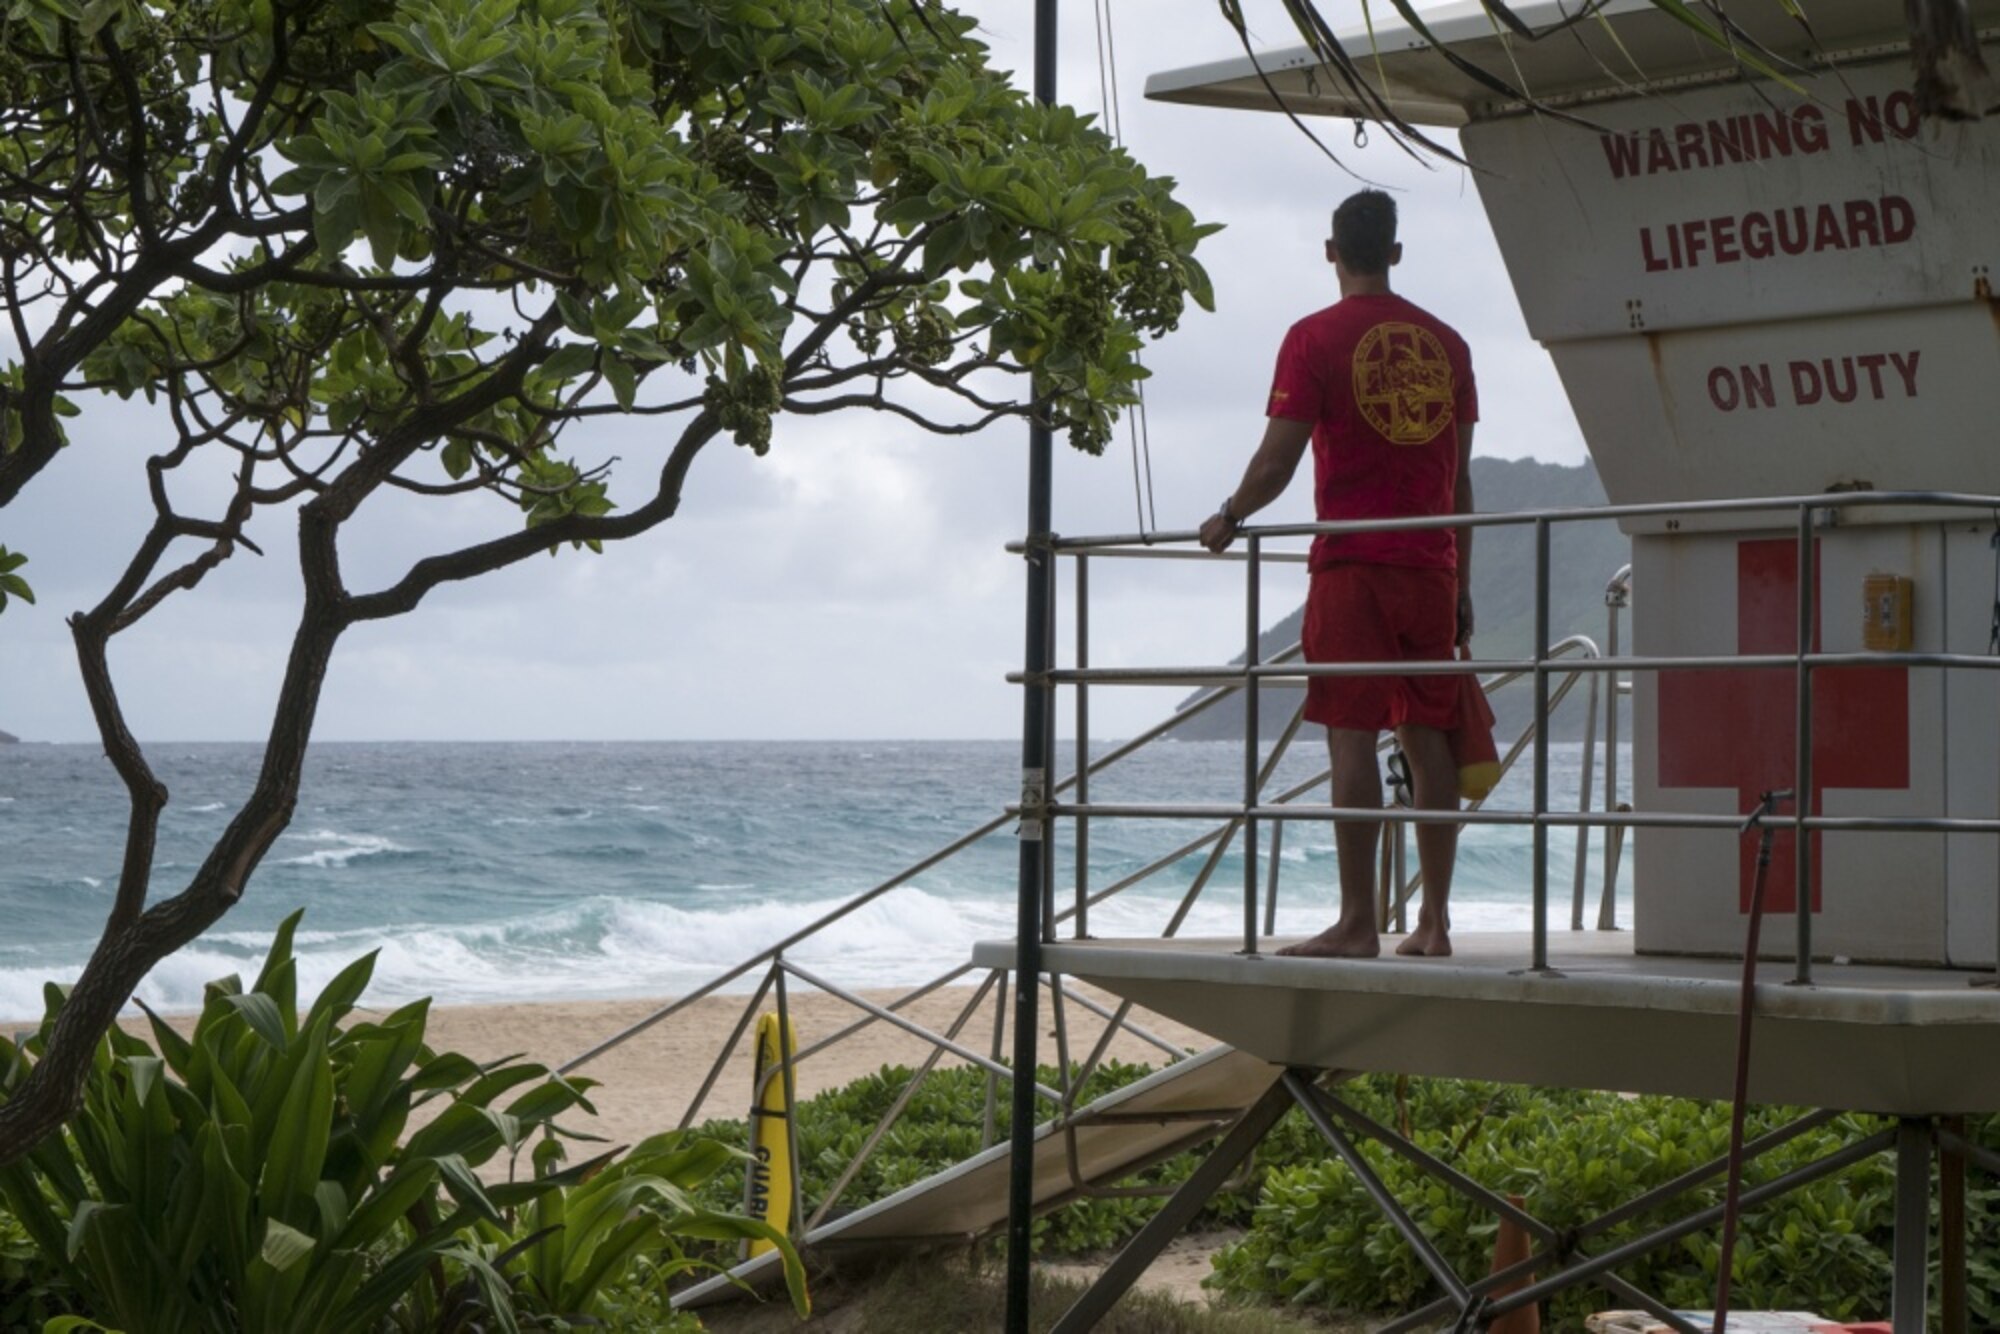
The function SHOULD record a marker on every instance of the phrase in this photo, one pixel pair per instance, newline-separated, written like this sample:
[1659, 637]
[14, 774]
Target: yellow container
[1888, 623]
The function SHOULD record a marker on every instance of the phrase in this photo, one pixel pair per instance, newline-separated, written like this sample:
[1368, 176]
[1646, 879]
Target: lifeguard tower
[1767, 289]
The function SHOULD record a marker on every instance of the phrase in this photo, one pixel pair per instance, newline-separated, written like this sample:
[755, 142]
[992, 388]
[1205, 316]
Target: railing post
[1802, 802]
[1082, 928]
[1615, 598]
[1541, 724]
[1251, 616]
[1583, 806]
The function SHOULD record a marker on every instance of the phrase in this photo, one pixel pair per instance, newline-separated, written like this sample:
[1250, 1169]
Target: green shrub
[261, 1177]
[1316, 1239]
[32, 1292]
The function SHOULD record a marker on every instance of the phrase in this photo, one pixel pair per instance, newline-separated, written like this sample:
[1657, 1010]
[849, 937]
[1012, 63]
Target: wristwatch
[1223, 511]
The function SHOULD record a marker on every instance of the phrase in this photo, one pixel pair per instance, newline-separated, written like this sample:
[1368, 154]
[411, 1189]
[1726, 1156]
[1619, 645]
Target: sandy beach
[648, 1081]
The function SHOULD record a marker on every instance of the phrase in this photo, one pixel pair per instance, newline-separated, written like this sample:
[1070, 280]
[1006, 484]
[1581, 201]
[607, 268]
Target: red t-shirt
[1386, 385]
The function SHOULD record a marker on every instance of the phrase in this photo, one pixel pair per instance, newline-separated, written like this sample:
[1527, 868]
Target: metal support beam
[1909, 1280]
[1177, 1212]
[1038, 657]
[1540, 963]
[1952, 1309]
[1838, 1160]
[1802, 803]
[1399, 1218]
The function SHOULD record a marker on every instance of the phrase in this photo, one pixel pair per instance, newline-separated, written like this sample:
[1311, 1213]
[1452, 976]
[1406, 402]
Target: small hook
[1360, 133]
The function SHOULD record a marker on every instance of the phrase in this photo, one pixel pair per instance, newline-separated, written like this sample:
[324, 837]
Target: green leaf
[261, 1013]
[337, 998]
[299, 1140]
[284, 1245]
[623, 379]
[570, 360]
[464, 1187]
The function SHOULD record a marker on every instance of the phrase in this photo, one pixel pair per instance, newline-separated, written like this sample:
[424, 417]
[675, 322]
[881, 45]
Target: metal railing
[1552, 672]
[1810, 513]
[778, 970]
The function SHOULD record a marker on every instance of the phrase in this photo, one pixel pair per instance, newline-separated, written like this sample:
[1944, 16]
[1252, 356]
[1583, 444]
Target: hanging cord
[1142, 463]
[1137, 428]
[1105, 101]
[1732, 1198]
[1108, 71]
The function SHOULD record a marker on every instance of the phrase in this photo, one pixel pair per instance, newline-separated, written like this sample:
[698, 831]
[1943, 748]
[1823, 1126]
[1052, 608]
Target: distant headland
[8, 739]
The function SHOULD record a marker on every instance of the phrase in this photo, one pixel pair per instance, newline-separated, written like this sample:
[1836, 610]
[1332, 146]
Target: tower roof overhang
[1619, 49]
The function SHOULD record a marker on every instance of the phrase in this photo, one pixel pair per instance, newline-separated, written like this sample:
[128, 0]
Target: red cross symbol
[1739, 728]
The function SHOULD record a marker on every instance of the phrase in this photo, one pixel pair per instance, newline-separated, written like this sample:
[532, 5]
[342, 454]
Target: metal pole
[1614, 599]
[1034, 791]
[1952, 1309]
[1541, 723]
[989, 1131]
[1049, 749]
[1082, 927]
[1909, 1283]
[1583, 804]
[1251, 785]
[1802, 802]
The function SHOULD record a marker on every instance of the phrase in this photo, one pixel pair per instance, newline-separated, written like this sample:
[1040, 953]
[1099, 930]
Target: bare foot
[1427, 941]
[1338, 942]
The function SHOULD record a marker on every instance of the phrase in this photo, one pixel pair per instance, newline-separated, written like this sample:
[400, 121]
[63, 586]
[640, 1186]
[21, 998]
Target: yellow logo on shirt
[1402, 383]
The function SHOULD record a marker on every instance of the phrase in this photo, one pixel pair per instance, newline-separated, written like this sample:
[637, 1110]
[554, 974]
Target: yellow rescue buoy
[767, 1190]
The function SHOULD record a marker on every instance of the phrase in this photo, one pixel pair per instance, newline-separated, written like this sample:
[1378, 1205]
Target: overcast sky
[854, 582]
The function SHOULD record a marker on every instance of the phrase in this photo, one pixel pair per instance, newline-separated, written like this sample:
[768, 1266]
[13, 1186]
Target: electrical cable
[1732, 1196]
[1993, 635]
[1138, 429]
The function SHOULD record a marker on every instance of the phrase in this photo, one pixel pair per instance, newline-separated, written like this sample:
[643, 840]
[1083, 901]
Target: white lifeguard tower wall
[1751, 290]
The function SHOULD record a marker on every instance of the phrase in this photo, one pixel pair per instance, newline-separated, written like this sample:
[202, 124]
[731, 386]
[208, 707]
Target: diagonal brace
[1439, 1267]
[1248, 1132]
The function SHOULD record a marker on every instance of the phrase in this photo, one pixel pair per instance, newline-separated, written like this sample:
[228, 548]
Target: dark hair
[1364, 231]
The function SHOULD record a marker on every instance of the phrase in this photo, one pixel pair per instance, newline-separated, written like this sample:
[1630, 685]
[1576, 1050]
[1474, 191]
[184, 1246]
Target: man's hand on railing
[1219, 529]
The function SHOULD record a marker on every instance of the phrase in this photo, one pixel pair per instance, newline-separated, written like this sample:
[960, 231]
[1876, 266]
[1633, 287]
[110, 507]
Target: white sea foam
[90, 881]
[624, 947]
[207, 807]
[345, 848]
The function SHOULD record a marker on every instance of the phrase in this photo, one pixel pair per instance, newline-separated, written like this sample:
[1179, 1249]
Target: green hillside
[1583, 558]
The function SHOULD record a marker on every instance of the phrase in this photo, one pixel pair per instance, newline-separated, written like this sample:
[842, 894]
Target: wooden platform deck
[1907, 1041]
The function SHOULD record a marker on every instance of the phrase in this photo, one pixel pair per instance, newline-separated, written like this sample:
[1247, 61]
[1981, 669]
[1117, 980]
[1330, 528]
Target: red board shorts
[1359, 612]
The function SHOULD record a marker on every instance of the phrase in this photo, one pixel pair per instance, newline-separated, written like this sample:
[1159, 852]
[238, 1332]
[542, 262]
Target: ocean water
[494, 872]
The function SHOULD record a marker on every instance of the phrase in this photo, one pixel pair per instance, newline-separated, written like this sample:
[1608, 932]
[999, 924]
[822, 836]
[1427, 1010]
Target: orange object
[1510, 1247]
[1888, 620]
[1472, 748]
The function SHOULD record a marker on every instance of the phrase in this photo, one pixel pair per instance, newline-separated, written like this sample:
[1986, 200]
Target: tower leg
[1951, 1230]
[1913, 1226]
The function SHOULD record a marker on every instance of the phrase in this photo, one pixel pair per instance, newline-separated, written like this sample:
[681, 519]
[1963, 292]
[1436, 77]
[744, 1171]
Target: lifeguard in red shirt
[1383, 391]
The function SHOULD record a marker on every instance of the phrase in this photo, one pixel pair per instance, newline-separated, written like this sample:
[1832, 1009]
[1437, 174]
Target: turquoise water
[490, 872]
